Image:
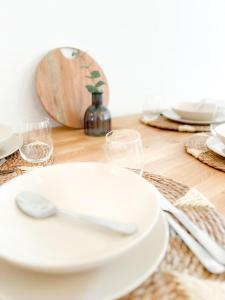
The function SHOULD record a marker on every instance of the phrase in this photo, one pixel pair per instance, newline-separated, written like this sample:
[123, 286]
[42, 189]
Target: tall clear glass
[37, 144]
[124, 147]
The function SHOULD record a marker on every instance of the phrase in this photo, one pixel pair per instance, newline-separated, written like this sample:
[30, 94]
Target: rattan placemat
[180, 276]
[196, 146]
[163, 123]
[15, 163]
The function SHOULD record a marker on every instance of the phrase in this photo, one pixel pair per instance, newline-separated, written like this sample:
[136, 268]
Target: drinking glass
[152, 108]
[124, 147]
[37, 146]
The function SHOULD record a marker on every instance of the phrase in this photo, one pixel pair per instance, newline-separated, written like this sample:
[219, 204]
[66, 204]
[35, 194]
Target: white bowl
[59, 245]
[5, 133]
[195, 110]
[220, 132]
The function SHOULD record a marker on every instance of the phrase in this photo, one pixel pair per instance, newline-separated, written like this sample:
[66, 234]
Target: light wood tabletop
[164, 154]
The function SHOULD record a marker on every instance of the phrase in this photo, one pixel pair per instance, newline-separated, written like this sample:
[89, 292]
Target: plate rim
[19, 144]
[211, 148]
[178, 119]
[73, 266]
[155, 265]
[138, 279]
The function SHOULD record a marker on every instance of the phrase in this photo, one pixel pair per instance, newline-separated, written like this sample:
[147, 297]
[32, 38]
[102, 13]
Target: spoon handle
[201, 253]
[119, 227]
[209, 244]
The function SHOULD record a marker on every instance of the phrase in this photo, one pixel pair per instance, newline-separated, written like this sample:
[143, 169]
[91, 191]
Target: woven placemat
[15, 162]
[163, 123]
[196, 146]
[180, 276]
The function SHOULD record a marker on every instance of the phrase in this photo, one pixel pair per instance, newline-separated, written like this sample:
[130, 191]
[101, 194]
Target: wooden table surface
[163, 150]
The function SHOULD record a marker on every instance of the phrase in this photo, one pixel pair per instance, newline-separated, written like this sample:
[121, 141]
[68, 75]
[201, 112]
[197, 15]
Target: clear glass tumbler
[37, 144]
[124, 147]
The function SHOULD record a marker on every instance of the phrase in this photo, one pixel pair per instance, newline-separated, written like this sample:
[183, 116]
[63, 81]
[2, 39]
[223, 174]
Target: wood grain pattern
[164, 155]
[60, 86]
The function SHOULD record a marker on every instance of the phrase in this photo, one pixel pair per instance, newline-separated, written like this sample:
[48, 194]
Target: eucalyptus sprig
[97, 84]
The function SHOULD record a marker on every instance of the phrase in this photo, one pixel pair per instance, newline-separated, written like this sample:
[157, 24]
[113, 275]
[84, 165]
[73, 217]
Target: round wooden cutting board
[60, 84]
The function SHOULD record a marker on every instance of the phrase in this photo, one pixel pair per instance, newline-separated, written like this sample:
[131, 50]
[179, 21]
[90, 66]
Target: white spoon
[37, 206]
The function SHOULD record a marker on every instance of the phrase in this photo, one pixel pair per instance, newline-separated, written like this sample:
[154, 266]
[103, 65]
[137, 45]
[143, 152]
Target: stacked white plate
[198, 113]
[62, 259]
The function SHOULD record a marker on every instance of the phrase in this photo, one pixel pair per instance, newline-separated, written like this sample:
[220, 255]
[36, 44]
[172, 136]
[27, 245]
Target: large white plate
[171, 115]
[58, 244]
[214, 144]
[105, 283]
[11, 146]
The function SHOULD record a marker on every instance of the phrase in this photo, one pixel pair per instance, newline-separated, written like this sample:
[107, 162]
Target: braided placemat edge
[197, 147]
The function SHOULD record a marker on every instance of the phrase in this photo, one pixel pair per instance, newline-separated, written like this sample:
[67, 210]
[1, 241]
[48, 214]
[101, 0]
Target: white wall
[173, 48]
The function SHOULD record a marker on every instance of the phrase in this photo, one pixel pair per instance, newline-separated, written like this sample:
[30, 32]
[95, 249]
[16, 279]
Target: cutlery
[37, 206]
[200, 252]
[211, 246]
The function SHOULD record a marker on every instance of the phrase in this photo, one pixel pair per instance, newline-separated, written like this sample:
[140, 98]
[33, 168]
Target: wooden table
[164, 154]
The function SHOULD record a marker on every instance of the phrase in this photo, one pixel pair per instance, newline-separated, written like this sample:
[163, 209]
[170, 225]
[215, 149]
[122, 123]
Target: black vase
[97, 118]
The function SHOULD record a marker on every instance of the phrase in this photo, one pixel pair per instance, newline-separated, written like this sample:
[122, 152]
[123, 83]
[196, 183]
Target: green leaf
[91, 88]
[99, 83]
[95, 74]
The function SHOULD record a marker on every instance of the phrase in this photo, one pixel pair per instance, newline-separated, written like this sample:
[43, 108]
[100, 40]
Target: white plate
[108, 282]
[171, 115]
[11, 146]
[219, 131]
[197, 111]
[5, 133]
[214, 144]
[58, 244]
